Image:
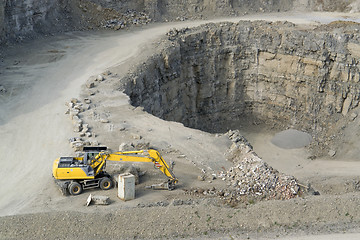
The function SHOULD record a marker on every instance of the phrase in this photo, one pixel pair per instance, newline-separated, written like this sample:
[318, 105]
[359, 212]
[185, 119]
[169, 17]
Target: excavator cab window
[88, 156]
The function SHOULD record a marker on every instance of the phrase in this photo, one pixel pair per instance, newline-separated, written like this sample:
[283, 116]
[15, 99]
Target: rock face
[20, 18]
[218, 77]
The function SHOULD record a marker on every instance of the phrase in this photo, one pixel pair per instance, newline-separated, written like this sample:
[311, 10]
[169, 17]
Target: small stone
[353, 116]
[77, 128]
[136, 136]
[2, 89]
[103, 120]
[90, 84]
[140, 144]
[126, 147]
[100, 78]
[332, 153]
[87, 100]
[201, 178]
[98, 200]
[107, 73]
[77, 145]
[88, 134]
[73, 100]
[84, 129]
[75, 118]
[69, 104]
[74, 112]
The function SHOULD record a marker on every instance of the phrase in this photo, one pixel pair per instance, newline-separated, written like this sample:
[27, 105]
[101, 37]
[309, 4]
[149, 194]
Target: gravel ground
[36, 210]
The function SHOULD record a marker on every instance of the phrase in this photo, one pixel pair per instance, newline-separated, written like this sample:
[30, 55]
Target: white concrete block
[126, 187]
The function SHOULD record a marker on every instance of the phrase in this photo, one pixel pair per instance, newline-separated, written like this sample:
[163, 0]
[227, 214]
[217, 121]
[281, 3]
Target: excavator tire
[75, 188]
[105, 183]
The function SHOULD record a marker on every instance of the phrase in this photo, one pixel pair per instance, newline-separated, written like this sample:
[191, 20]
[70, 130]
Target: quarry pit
[240, 75]
[259, 113]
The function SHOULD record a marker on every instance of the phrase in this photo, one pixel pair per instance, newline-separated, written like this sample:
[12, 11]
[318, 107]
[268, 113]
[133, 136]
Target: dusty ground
[41, 76]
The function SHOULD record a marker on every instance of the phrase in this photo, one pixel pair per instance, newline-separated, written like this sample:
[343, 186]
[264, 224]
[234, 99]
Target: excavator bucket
[168, 185]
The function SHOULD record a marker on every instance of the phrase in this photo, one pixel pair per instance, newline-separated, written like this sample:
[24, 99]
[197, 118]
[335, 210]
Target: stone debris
[156, 204]
[2, 89]
[104, 120]
[100, 78]
[173, 33]
[90, 84]
[75, 107]
[107, 73]
[136, 145]
[251, 176]
[353, 116]
[126, 147]
[127, 19]
[136, 136]
[332, 153]
[201, 177]
[77, 145]
[97, 200]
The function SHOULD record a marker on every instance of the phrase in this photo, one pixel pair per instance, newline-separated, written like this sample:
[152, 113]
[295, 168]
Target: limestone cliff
[20, 18]
[231, 75]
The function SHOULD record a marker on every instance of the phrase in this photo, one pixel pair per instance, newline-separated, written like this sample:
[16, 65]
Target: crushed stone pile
[251, 176]
[129, 18]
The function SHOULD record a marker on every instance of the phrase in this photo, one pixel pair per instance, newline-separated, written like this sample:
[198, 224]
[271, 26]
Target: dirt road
[41, 76]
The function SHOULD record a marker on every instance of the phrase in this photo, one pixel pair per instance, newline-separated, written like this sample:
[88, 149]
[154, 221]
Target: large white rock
[126, 187]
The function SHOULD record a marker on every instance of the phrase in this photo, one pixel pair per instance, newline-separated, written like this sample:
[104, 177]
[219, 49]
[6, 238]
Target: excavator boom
[150, 155]
[90, 168]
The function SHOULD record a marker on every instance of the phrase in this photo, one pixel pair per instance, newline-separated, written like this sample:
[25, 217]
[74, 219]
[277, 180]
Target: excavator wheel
[75, 188]
[105, 183]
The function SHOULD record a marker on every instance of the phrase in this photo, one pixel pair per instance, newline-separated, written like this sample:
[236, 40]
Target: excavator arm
[150, 155]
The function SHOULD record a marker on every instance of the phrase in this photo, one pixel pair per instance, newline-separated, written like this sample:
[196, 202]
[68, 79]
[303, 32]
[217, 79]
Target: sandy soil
[41, 76]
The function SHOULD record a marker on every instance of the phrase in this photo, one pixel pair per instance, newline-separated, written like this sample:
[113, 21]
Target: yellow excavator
[74, 174]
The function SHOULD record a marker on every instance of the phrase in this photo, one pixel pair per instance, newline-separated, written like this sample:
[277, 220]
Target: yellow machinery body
[89, 171]
[70, 171]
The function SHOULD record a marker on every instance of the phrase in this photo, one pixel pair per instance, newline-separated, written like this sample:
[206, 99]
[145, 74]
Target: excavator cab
[91, 152]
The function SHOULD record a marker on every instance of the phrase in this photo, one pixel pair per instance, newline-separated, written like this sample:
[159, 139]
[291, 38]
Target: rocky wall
[225, 76]
[19, 18]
